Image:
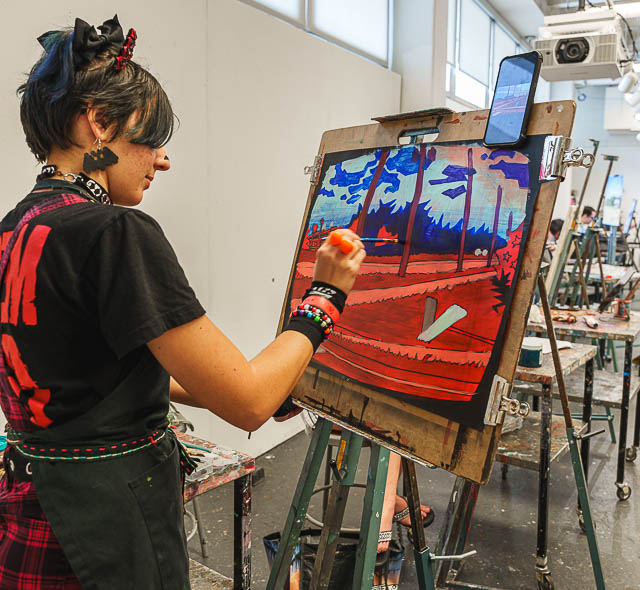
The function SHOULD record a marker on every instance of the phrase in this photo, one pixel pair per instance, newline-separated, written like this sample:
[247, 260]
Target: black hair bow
[87, 43]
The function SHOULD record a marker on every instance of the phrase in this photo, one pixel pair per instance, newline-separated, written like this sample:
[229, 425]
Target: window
[503, 45]
[474, 54]
[476, 44]
[360, 24]
[363, 26]
[292, 9]
[470, 90]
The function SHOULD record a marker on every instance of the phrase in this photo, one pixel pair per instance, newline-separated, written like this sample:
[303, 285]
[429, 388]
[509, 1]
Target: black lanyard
[92, 189]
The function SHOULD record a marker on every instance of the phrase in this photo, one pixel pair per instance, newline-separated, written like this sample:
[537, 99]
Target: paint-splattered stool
[225, 466]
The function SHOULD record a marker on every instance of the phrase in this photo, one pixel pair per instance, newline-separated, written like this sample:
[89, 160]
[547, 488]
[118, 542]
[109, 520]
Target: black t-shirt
[86, 287]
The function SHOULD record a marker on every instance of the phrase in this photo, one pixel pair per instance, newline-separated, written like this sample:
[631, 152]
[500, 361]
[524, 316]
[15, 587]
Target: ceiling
[559, 6]
[526, 16]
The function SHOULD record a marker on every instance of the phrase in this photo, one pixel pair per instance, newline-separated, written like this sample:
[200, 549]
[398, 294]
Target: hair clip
[127, 50]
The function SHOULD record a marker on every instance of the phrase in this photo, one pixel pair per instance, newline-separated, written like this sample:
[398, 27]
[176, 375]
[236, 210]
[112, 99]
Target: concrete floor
[503, 529]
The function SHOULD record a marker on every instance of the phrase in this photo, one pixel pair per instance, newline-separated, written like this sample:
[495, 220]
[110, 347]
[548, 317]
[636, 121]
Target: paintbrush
[192, 446]
[390, 240]
[346, 245]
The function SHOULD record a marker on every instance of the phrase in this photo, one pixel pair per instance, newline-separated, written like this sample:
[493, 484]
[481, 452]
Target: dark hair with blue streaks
[56, 91]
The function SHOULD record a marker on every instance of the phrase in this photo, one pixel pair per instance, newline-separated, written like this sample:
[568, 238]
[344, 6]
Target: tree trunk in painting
[467, 210]
[412, 212]
[496, 218]
[510, 224]
[372, 189]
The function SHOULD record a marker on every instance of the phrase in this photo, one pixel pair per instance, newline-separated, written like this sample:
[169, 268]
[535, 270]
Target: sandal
[426, 521]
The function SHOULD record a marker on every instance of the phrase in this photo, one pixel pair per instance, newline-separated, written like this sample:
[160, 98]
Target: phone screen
[515, 87]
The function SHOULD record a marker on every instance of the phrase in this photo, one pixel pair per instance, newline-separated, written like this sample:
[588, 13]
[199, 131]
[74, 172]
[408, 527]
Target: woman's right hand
[337, 268]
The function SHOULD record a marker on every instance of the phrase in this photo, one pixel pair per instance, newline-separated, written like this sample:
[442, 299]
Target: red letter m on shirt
[20, 280]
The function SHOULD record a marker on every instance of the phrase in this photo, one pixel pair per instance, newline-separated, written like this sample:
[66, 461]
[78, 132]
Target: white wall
[590, 124]
[253, 95]
[563, 91]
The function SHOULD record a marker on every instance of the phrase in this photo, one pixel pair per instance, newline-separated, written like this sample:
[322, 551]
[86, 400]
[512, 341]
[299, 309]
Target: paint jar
[621, 309]
[531, 355]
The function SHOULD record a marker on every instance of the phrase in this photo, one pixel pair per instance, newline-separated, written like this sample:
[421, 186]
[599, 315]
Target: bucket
[386, 576]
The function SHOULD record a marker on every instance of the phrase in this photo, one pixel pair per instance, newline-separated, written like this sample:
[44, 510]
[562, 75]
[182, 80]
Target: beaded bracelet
[325, 305]
[317, 315]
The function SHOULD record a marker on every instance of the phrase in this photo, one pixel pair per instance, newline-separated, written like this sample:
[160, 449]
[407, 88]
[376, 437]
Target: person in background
[554, 230]
[586, 219]
[552, 238]
[100, 329]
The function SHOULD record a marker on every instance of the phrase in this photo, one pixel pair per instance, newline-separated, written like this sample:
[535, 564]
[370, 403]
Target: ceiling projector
[583, 45]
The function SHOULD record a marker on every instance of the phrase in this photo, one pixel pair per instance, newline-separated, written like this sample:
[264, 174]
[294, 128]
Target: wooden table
[229, 466]
[543, 437]
[612, 329]
[541, 440]
[612, 272]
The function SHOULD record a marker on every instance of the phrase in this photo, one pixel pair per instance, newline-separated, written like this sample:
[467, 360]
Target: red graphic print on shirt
[20, 281]
[19, 296]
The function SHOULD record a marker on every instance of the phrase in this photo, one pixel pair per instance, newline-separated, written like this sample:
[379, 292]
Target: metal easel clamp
[500, 403]
[557, 156]
[315, 168]
[514, 407]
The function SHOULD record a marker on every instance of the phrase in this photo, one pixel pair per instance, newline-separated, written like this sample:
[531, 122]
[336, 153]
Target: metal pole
[299, 505]
[596, 143]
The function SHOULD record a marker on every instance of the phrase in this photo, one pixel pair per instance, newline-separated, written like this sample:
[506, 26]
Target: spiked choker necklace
[94, 190]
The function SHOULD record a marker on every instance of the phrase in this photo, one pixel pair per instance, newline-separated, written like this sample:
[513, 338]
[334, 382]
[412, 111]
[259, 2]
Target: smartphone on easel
[512, 99]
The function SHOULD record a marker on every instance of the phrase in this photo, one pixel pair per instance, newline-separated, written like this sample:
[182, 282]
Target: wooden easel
[344, 470]
[365, 412]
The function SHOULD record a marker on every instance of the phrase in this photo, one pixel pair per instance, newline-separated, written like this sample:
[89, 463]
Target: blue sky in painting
[344, 186]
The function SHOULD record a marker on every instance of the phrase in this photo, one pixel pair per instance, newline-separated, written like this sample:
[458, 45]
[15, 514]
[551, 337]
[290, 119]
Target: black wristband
[309, 328]
[319, 289]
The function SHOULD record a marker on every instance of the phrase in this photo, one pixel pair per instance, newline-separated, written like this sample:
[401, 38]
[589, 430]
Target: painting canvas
[612, 200]
[426, 319]
[629, 220]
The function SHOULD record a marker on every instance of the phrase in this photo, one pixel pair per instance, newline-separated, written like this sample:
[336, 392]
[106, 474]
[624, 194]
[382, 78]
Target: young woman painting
[99, 329]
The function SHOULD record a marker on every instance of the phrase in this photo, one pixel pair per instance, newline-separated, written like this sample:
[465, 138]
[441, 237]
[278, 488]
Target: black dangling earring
[99, 159]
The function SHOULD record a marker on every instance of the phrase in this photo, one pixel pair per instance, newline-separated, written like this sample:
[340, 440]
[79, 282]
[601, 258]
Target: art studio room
[382, 330]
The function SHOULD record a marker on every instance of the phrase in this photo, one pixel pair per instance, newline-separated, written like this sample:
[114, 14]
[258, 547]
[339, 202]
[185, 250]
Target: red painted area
[384, 234]
[376, 341]
[479, 118]
[454, 122]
